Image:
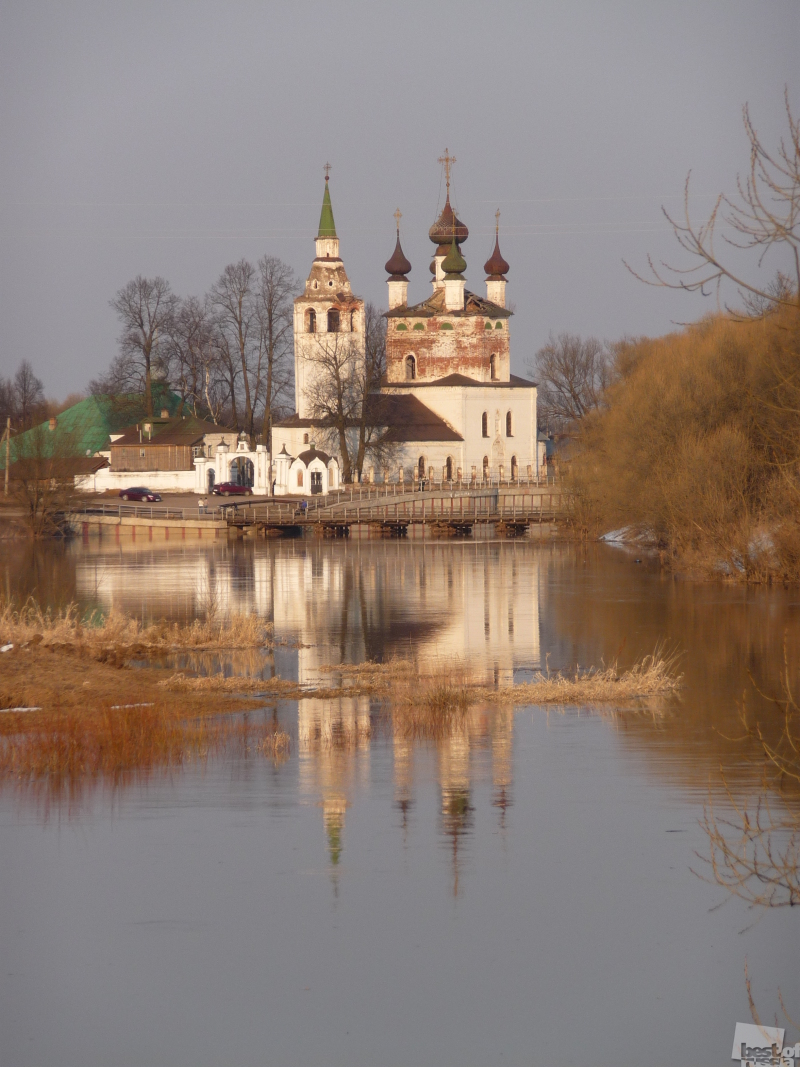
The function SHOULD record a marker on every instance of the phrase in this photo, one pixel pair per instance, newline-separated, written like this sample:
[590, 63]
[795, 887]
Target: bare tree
[191, 351]
[42, 478]
[27, 396]
[343, 392]
[334, 393]
[764, 216]
[573, 374]
[146, 308]
[372, 435]
[278, 286]
[233, 298]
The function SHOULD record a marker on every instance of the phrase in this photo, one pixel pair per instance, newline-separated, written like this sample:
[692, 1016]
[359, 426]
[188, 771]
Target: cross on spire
[327, 168]
[497, 223]
[447, 162]
[397, 216]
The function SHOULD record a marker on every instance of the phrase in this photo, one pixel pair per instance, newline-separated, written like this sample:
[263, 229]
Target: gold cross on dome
[397, 216]
[327, 168]
[497, 222]
[447, 161]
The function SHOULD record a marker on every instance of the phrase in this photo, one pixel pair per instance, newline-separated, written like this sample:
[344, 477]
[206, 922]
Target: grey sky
[174, 138]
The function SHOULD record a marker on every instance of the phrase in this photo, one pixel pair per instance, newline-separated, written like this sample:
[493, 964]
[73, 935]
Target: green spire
[327, 227]
[454, 262]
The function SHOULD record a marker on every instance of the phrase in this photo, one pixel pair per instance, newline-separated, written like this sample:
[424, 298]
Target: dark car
[139, 493]
[231, 489]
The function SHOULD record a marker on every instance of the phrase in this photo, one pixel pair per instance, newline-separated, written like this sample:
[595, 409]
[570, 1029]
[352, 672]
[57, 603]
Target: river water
[518, 892]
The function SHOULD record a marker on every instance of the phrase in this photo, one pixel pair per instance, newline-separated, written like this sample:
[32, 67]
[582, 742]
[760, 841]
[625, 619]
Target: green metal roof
[84, 428]
[327, 227]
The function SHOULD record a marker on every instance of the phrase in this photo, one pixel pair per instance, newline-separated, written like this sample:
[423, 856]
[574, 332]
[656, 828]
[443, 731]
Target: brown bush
[698, 445]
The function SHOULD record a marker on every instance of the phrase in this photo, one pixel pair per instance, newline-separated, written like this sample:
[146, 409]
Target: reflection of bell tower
[403, 776]
[334, 806]
[455, 785]
[502, 770]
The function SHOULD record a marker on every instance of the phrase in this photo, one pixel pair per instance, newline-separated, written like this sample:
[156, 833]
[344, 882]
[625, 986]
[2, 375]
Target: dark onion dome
[446, 226]
[496, 266]
[398, 266]
[454, 263]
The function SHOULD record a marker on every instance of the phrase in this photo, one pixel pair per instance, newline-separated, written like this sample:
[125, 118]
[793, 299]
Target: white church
[448, 409]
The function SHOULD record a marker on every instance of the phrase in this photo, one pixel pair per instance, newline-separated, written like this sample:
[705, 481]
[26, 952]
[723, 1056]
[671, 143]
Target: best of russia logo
[762, 1046]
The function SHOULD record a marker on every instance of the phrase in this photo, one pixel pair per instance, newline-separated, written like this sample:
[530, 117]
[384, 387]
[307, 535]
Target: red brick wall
[466, 349]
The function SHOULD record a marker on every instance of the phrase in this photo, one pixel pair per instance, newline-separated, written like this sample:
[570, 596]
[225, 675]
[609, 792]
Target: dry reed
[655, 675]
[125, 743]
[118, 636]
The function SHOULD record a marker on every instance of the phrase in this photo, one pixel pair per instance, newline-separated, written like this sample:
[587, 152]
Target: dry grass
[97, 719]
[432, 704]
[118, 637]
[655, 675]
[218, 683]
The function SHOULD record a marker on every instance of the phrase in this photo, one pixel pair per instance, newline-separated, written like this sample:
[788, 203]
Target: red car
[140, 493]
[231, 489]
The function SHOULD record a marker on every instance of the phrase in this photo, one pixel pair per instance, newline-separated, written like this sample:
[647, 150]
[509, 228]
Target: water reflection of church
[336, 740]
[474, 605]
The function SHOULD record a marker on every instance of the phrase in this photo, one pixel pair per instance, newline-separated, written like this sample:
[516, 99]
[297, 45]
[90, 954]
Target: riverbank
[82, 698]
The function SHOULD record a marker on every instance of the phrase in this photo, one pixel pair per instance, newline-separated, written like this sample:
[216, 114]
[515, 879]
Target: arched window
[352, 322]
[333, 321]
[411, 368]
[311, 321]
[421, 467]
[485, 467]
[485, 424]
[493, 367]
[509, 427]
[514, 469]
[305, 438]
[449, 469]
[299, 479]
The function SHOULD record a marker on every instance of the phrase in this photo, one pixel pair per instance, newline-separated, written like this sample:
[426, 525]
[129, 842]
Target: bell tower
[328, 318]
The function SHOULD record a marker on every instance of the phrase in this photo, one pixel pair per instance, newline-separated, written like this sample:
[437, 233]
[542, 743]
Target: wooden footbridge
[440, 511]
[388, 510]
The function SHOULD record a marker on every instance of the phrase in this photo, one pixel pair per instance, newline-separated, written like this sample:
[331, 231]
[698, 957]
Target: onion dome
[398, 266]
[447, 226]
[496, 266]
[454, 263]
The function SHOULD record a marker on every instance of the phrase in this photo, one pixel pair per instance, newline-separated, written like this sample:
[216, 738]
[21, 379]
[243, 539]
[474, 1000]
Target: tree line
[227, 354]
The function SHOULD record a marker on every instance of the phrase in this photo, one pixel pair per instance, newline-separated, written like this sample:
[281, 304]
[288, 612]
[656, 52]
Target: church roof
[312, 454]
[463, 381]
[454, 263]
[447, 226]
[495, 266]
[327, 227]
[407, 418]
[434, 305]
[398, 266]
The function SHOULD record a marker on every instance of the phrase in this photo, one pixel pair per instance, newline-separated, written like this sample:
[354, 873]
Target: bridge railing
[147, 511]
[429, 507]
